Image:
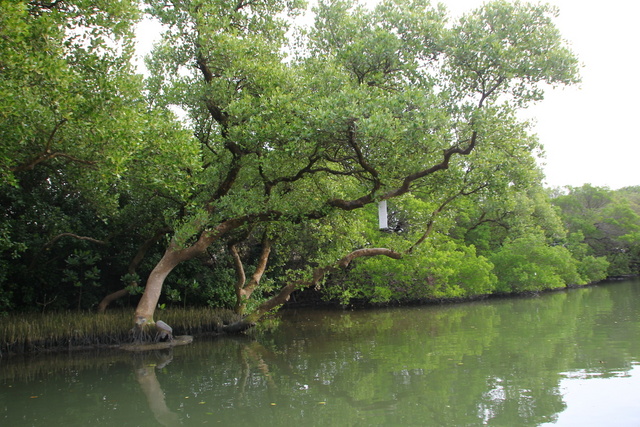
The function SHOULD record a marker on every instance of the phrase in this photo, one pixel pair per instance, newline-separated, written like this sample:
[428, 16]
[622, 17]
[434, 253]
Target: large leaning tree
[364, 105]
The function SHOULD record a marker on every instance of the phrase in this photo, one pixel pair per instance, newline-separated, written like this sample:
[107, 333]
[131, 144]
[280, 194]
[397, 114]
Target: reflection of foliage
[497, 362]
[131, 281]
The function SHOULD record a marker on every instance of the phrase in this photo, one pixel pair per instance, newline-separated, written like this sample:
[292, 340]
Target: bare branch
[405, 187]
[75, 236]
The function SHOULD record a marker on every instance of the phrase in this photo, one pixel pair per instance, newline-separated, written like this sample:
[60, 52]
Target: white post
[382, 215]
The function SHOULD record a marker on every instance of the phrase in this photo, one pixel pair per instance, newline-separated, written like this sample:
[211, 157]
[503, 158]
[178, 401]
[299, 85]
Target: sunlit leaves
[64, 85]
[441, 269]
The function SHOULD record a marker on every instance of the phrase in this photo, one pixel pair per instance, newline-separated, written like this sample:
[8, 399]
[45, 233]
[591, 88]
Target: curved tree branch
[405, 187]
[245, 289]
[318, 274]
[75, 236]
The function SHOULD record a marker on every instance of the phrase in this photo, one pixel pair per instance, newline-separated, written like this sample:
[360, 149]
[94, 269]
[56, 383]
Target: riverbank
[49, 332]
[45, 332]
[311, 297]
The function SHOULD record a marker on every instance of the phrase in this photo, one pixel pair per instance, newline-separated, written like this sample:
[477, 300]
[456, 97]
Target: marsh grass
[34, 332]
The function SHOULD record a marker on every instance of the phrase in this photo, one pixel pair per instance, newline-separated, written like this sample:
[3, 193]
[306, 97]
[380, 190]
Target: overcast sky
[589, 131]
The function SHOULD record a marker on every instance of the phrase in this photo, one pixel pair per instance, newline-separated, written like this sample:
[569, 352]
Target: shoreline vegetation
[33, 333]
[24, 333]
[377, 158]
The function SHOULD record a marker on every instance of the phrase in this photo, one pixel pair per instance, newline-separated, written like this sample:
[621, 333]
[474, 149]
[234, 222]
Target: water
[564, 358]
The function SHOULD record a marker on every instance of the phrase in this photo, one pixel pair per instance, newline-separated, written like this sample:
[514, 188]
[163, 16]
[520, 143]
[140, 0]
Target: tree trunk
[133, 265]
[243, 289]
[146, 376]
[147, 305]
[171, 258]
[102, 307]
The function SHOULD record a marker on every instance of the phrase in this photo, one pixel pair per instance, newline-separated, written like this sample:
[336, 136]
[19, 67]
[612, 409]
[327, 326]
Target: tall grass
[33, 332]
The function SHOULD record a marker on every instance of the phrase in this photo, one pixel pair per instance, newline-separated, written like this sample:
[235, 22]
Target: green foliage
[608, 224]
[60, 104]
[593, 269]
[83, 273]
[433, 271]
[513, 41]
[81, 269]
[200, 283]
[296, 137]
[528, 264]
[130, 282]
[84, 158]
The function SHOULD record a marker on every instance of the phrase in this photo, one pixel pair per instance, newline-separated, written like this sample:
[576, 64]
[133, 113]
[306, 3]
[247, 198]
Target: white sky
[588, 131]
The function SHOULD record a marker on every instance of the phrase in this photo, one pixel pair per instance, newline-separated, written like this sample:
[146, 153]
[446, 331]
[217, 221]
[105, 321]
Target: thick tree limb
[405, 187]
[241, 277]
[174, 255]
[245, 289]
[260, 268]
[317, 276]
[352, 138]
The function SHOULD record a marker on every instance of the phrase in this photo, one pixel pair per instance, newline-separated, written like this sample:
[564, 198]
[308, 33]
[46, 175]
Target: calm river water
[564, 358]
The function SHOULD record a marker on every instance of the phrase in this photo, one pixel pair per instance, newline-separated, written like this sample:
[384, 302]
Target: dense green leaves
[86, 167]
[510, 48]
[439, 271]
[606, 223]
[529, 264]
[286, 139]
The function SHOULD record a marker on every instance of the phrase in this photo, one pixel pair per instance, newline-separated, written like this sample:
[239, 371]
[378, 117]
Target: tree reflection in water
[145, 366]
[499, 362]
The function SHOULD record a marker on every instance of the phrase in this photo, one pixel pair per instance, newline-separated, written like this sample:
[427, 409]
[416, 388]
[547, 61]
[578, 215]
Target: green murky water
[565, 358]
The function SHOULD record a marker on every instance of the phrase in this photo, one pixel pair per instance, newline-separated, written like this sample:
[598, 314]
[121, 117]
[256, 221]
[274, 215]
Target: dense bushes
[428, 273]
